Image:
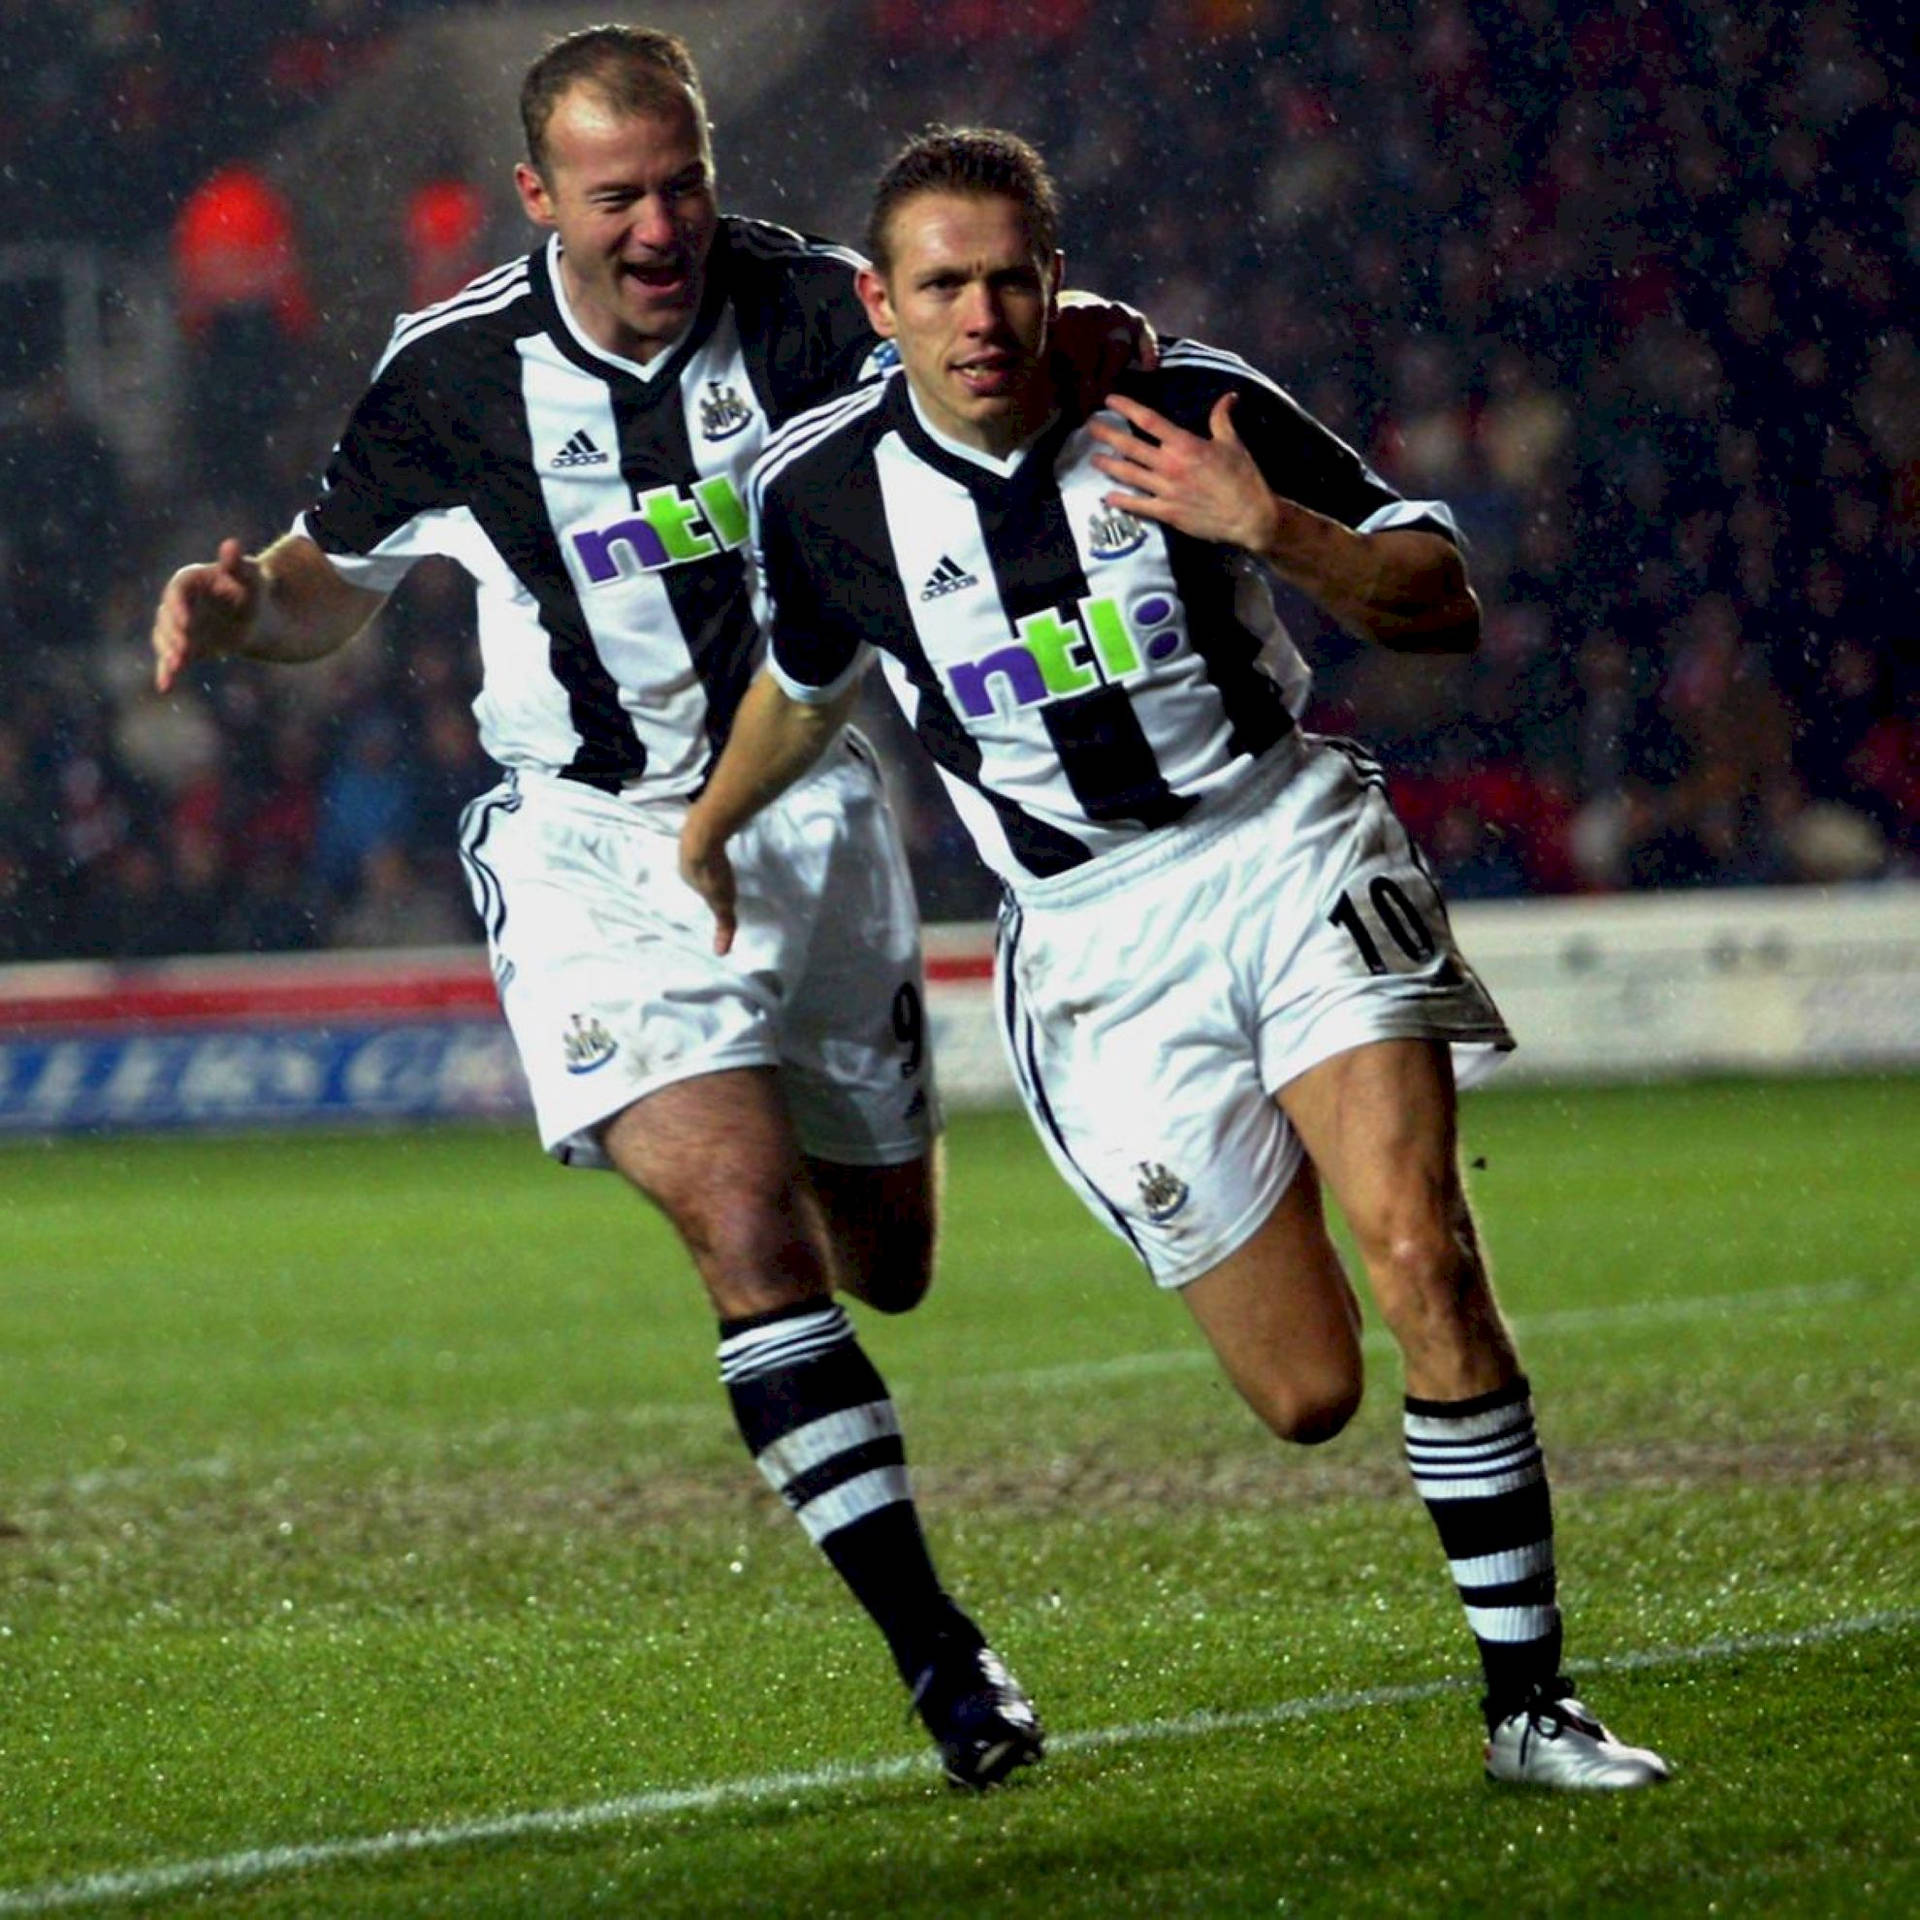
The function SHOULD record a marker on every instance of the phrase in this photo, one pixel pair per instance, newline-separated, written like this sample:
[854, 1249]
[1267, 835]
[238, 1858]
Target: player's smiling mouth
[657, 276]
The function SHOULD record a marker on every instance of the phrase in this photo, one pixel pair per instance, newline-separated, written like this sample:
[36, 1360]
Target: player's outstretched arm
[1403, 587]
[775, 739]
[285, 604]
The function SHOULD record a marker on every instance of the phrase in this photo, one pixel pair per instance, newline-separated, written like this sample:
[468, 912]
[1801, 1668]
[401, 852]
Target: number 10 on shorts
[1390, 910]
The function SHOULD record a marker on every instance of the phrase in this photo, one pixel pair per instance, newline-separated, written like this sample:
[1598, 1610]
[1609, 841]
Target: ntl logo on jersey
[1053, 658]
[668, 527]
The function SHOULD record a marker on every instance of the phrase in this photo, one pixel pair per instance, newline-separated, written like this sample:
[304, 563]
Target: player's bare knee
[891, 1291]
[754, 1255]
[1311, 1419]
[1307, 1409]
[1421, 1268]
[745, 1280]
[896, 1283]
[880, 1231]
[1433, 1296]
[896, 1267]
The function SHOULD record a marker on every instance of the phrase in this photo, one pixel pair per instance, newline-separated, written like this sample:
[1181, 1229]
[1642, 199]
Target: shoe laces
[1552, 1711]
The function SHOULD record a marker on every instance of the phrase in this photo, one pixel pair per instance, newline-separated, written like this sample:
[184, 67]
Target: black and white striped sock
[1478, 1466]
[816, 1416]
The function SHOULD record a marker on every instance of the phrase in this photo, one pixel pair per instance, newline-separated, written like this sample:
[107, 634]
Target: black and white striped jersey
[599, 505]
[1080, 677]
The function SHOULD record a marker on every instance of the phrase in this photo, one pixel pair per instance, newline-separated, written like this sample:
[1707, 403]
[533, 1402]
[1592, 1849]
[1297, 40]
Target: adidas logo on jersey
[948, 577]
[579, 452]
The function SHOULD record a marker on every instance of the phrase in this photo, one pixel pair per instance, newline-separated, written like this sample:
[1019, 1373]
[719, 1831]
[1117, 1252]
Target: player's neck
[996, 444]
[604, 332]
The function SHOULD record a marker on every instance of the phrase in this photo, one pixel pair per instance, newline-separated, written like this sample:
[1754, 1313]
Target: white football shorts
[1154, 1001]
[604, 958]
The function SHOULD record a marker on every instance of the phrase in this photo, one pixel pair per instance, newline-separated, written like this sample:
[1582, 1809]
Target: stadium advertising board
[1787, 980]
[246, 1043]
[330, 1038]
[1594, 988]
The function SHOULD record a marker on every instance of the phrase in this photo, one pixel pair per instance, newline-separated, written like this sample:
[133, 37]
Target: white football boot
[1558, 1743]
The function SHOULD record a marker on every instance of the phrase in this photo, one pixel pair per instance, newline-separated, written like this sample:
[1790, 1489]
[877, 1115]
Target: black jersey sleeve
[397, 464]
[813, 650]
[801, 322]
[851, 351]
[1298, 457]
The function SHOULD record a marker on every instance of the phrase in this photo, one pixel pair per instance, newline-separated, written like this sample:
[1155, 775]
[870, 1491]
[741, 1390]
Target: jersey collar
[976, 470]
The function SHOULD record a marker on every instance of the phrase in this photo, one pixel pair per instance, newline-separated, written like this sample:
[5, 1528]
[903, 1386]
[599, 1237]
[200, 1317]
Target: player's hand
[1208, 487]
[206, 612]
[1095, 341]
[704, 866]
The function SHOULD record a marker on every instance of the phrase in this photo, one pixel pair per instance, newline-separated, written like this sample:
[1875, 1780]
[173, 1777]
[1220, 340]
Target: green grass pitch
[374, 1541]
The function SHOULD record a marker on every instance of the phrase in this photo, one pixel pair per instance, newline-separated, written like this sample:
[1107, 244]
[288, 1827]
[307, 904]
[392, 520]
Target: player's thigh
[1127, 1035]
[1380, 1123]
[717, 1154]
[715, 1143]
[1283, 1320]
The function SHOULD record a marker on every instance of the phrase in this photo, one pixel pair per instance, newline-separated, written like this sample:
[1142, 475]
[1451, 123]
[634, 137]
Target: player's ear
[872, 290]
[535, 201]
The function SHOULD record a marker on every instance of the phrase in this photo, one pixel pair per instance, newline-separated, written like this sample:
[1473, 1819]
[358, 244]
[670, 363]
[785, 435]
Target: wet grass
[359, 1485]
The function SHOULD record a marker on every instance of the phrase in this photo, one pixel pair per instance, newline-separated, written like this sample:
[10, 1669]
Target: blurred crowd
[110, 110]
[1631, 284]
[254, 811]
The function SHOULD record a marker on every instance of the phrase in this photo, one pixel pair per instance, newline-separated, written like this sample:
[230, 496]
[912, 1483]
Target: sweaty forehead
[959, 229]
[591, 130]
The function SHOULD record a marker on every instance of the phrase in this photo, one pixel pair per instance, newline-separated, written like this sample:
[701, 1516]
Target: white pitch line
[223, 1468]
[265, 1863]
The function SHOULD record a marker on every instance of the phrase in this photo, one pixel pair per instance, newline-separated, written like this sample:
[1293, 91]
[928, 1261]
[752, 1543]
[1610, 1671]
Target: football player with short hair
[575, 429]
[1225, 973]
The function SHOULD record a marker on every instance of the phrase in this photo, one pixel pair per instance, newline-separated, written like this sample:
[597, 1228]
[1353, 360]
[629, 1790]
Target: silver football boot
[1558, 1743]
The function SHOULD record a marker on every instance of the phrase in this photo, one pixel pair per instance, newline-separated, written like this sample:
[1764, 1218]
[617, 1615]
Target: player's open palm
[205, 612]
[1207, 486]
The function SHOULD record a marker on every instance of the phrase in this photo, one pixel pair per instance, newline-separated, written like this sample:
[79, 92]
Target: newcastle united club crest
[1162, 1192]
[722, 412]
[1112, 535]
[586, 1045]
